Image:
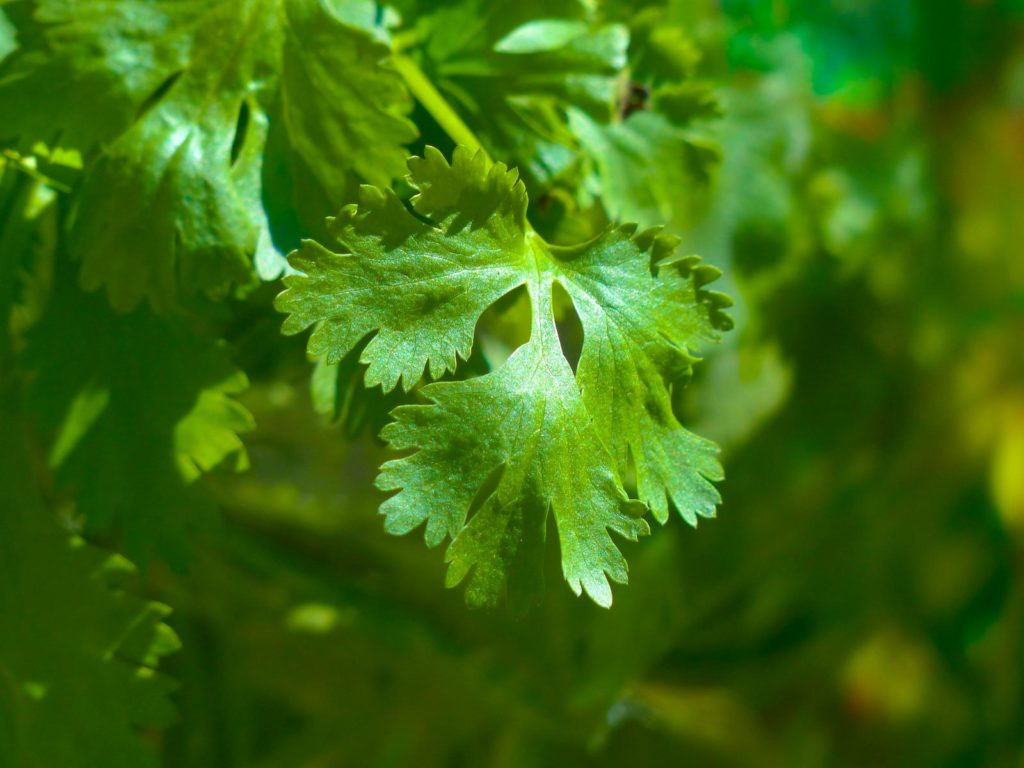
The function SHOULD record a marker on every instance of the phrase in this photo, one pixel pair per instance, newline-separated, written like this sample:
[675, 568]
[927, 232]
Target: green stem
[405, 39]
[436, 104]
[27, 166]
[438, 107]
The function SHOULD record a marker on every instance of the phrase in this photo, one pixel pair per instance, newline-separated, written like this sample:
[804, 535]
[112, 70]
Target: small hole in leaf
[490, 485]
[567, 321]
[158, 94]
[504, 327]
[241, 129]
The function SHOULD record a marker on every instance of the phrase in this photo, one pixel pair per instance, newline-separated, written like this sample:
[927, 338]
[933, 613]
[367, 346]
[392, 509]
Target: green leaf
[137, 407]
[638, 333]
[527, 421]
[647, 169]
[342, 106]
[496, 453]
[82, 71]
[541, 35]
[77, 657]
[514, 69]
[167, 212]
[437, 285]
[7, 38]
[653, 161]
[180, 95]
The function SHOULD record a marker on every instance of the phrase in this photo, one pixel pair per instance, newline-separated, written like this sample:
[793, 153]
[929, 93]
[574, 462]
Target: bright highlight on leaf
[558, 442]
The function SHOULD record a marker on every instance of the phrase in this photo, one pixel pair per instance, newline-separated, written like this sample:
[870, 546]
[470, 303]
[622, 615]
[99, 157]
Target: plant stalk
[436, 104]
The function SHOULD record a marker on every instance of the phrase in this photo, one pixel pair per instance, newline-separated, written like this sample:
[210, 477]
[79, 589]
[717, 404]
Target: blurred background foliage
[859, 600]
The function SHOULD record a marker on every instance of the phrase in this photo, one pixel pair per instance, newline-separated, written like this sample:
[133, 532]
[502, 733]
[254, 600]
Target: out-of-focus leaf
[8, 41]
[78, 657]
[137, 408]
[648, 169]
[513, 69]
[178, 94]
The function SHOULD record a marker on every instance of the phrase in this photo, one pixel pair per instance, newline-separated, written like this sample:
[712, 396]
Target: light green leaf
[637, 335]
[541, 35]
[527, 421]
[7, 37]
[549, 440]
[437, 285]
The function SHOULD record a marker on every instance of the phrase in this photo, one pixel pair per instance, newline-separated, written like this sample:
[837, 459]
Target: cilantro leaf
[652, 161]
[137, 408]
[528, 419]
[637, 336]
[645, 167]
[77, 657]
[180, 95]
[437, 285]
[514, 69]
[343, 107]
[82, 71]
[418, 281]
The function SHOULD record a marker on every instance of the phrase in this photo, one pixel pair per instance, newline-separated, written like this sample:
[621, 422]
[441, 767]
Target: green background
[859, 600]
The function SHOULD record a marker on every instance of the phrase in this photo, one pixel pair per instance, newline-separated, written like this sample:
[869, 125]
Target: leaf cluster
[517, 343]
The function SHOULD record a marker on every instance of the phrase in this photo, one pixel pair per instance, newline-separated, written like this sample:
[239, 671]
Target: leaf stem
[439, 108]
[27, 166]
[404, 39]
[436, 104]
